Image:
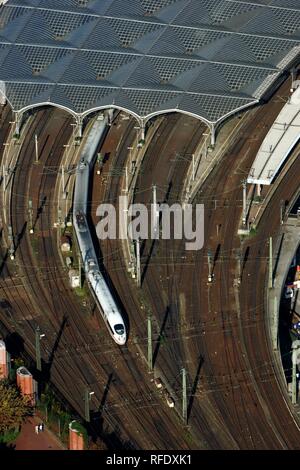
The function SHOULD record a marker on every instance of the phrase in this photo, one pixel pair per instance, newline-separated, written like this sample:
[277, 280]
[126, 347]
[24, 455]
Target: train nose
[120, 339]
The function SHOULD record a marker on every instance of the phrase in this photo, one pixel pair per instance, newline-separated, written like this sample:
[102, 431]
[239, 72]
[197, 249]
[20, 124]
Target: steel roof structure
[206, 58]
[278, 143]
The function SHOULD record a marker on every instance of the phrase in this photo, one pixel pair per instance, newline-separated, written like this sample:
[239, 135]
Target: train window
[119, 329]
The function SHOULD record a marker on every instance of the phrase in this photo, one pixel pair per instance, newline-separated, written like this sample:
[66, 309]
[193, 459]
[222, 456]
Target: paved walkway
[29, 440]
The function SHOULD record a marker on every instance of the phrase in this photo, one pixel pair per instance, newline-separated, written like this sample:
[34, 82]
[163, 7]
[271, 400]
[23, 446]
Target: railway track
[218, 332]
[63, 321]
[116, 265]
[234, 385]
[115, 171]
[249, 411]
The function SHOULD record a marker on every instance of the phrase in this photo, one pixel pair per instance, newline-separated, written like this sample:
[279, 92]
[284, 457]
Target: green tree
[14, 408]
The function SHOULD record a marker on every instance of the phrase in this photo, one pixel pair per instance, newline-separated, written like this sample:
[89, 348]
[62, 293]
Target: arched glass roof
[207, 58]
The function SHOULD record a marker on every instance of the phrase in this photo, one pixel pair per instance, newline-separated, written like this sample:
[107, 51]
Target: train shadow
[295, 302]
[20, 236]
[194, 387]
[216, 257]
[14, 344]
[149, 256]
[285, 338]
[40, 211]
[99, 433]
[278, 256]
[3, 263]
[48, 365]
[160, 336]
[96, 429]
[153, 242]
[245, 259]
[105, 393]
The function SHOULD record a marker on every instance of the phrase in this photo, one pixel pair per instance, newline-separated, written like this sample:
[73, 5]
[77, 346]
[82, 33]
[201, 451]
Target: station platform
[278, 143]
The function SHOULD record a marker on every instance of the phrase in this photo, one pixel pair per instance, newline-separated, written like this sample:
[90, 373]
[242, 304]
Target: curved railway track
[160, 146]
[218, 331]
[250, 413]
[237, 370]
[68, 348]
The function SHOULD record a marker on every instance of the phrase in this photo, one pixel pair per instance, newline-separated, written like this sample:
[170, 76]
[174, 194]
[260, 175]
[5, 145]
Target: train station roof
[278, 143]
[207, 58]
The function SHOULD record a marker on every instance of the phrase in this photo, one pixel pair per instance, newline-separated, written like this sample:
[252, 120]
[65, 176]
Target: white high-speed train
[101, 292]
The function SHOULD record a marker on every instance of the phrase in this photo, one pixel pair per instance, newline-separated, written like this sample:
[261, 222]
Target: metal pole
[124, 228]
[126, 179]
[63, 178]
[79, 269]
[193, 163]
[209, 261]
[66, 207]
[36, 148]
[213, 136]
[79, 124]
[138, 263]
[184, 397]
[4, 178]
[293, 73]
[281, 211]
[137, 136]
[38, 349]
[130, 158]
[8, 362]
[17, 122]
[150, 354]
[30, 211]
[10, 237]
[155, 232]
[11, 243]
[142, 132]
[59, 216]
[270, 263]
[87, 406]
[244, 202]
[239, 260]
[100, 162]
[275, 323]
[294, 382]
